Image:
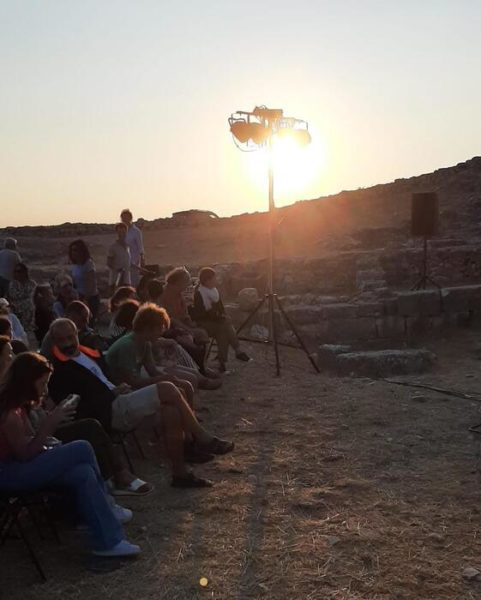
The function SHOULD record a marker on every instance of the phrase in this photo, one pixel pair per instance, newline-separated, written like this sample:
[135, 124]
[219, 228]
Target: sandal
[190, 481]
[218, 446]
[137, 487]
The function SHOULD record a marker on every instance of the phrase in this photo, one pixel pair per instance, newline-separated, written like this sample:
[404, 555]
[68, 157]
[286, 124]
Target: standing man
[9, 259]
[119, 260]
[136, 244]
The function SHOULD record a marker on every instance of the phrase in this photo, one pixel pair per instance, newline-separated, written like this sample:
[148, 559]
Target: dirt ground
[338, 488]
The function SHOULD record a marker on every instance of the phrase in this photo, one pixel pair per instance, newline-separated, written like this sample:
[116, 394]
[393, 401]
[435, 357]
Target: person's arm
[24, 442]
[141, 249]
[110, 258]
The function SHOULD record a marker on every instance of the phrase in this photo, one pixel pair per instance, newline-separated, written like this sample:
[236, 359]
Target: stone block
[340, 311]
[304, 315]
[369, 275]
[390, 306]
[349, 330]
[369, 309]
[462, 298]
[384, 363]
[391, 327]
[327, 354]
[419, 303]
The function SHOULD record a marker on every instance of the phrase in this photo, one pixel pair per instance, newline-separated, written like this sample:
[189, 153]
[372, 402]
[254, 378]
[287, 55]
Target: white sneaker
[123, 548]
[124, 515]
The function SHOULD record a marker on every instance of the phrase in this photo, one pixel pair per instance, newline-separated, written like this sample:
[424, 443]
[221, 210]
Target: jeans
[91, 431]
[74, 467]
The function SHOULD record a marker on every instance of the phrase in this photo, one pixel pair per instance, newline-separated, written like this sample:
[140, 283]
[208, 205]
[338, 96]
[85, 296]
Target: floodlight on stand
[255, 130]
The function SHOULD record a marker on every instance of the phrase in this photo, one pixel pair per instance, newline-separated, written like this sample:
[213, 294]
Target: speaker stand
[425, 279]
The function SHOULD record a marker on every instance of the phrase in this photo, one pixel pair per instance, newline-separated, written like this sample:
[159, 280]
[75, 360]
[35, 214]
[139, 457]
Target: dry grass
[338, 489]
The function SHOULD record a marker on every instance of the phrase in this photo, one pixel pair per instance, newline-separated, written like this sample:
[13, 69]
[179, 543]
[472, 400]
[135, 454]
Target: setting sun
[295, 167]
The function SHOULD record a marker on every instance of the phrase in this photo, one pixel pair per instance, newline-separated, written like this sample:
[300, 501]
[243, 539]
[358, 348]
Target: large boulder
[248, 299]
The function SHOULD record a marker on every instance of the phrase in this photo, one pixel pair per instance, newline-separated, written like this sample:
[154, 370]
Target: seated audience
[9, 259]
[119, 259]
[208, 312]
[167, 353]
[120, 295]
[155, 287]
[18, 332]
[66, 294]
[82, 371]
[20, 294]
[79, 313]
[6, 354]
[84, 275]
[28, 464]
[43, 300]
[130, 358]
[6, 330]
[172, 299]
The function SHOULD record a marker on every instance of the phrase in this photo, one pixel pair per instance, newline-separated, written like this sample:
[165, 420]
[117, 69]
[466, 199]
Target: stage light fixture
[255, 130]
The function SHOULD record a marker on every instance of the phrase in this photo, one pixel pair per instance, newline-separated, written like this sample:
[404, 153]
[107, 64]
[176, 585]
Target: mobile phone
[71, 401]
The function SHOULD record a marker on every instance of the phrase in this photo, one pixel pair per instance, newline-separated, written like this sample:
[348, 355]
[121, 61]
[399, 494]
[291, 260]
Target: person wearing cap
[9, 259]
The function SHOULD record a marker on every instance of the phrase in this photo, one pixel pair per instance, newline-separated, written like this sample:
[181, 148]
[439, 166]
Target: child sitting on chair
[209, 313]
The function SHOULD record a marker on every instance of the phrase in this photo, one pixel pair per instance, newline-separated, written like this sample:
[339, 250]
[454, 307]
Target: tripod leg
[252, 314]
[295, 332]
[273, 328]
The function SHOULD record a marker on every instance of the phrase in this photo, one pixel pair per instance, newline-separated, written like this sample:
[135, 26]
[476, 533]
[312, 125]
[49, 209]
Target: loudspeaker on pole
[424, 214]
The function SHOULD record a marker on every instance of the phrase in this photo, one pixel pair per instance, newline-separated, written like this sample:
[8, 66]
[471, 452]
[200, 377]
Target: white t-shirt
[92, 366]
[136, 244]
[120, 258]
[9, 259]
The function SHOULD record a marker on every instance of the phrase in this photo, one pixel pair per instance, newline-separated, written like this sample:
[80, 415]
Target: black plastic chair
[36, 506]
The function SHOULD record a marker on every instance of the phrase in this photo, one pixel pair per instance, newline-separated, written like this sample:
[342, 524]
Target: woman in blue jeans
[26, 464]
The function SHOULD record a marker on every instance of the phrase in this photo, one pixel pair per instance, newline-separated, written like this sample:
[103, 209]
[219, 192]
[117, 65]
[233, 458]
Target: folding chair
[11, 508]
[119, 437]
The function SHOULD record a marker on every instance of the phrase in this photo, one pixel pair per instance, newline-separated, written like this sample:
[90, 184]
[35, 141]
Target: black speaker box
[424, 214]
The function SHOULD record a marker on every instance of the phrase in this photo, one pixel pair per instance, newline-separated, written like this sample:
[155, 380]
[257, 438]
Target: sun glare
[296, 168]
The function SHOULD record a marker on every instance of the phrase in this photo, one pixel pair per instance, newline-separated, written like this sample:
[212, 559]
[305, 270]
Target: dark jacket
[68, 377]
[199, 313]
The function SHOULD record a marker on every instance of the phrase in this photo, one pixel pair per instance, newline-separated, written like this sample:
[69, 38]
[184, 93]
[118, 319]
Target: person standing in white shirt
[119, 259]
[136, 245]
[9, 259]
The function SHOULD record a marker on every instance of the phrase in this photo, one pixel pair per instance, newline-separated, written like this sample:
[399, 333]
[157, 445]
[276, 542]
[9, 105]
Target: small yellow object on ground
[203, 581]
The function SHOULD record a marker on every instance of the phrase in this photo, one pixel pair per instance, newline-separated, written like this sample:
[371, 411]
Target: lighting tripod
[255, 130]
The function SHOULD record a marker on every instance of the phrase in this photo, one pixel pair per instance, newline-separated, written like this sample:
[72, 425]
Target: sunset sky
[113, 104]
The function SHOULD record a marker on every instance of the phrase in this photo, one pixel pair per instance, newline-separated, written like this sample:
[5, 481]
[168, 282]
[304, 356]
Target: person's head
[5, 327]
[79, 313]
[126, 217]
[178, 278]
[121, 294]
[150, 322]
[20, 272]
[64, 335]
[25, 382]
[121, 231]
[65, 289]
[4, 306]
[126, 313]
[154, 289]
[207, 277]
[78, 252]
[11, 244]
[6, 354]
[43, 296]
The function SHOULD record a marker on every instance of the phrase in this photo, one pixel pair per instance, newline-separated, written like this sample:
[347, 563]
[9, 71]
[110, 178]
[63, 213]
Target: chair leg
[29, 547]
[32, 513]
[138, 445]
[126, 453]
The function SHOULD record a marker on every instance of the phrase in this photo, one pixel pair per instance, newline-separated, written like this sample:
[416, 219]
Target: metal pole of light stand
[270, 284]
